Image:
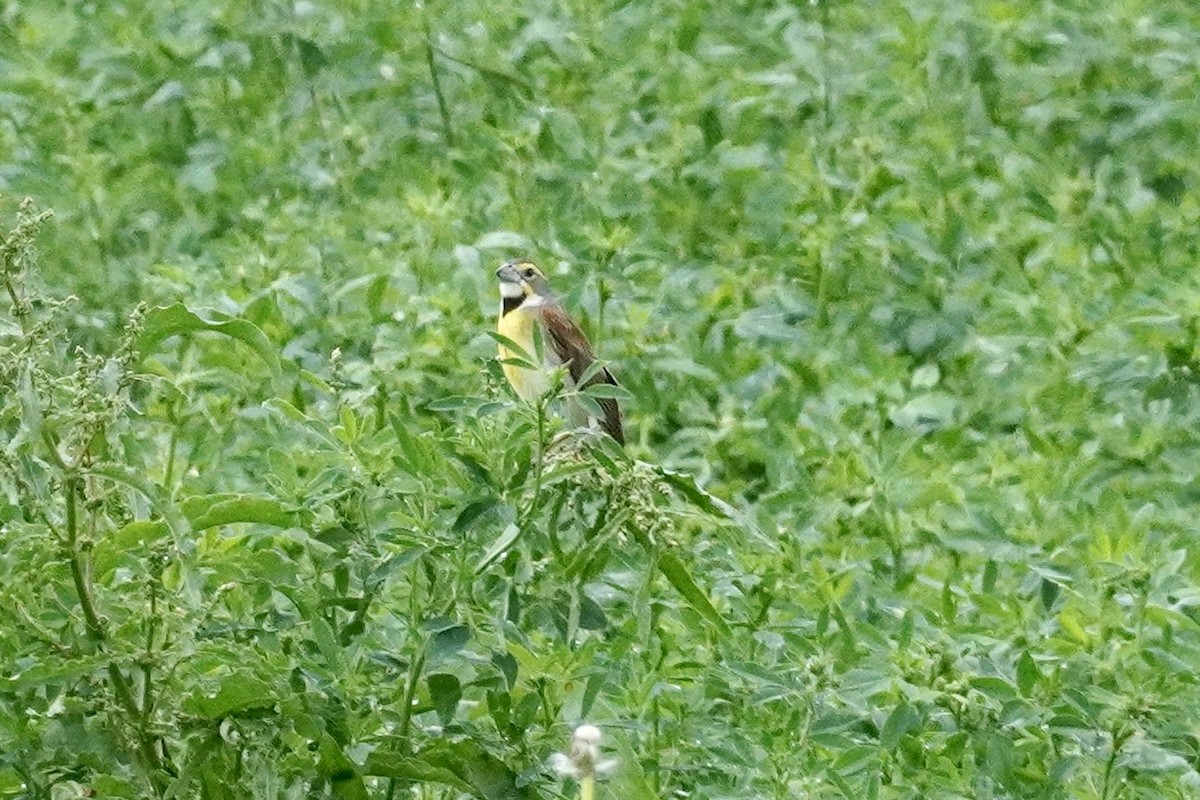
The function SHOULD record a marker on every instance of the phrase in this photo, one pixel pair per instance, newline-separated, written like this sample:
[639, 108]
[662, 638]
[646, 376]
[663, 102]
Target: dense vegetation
[903, 292]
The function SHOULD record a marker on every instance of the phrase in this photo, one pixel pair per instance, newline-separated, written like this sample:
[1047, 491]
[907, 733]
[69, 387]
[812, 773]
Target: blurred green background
[909, 283]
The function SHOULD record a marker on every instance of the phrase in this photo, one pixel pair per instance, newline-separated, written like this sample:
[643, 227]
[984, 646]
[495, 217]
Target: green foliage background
[910, 284]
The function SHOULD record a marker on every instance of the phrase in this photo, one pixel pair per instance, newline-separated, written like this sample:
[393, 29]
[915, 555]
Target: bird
[528, 304]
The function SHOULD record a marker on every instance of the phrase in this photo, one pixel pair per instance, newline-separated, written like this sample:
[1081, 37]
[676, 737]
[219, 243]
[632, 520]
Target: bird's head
[521, 279]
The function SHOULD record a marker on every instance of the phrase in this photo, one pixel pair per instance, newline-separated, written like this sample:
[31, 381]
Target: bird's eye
[528, 273]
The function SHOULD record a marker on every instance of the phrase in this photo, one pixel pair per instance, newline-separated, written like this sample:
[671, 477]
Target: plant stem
[1119, 737]
[443, 109]
[826, 102]
[94, 626]
[541, 458]
[539, 463]
[655, 739]
[91, 619]
[147, 682]
[587, 787]
[172, 450]
[410, 690]
[552, 528]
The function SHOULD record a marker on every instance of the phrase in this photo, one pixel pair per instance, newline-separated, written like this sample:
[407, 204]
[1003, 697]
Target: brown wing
[574, 350]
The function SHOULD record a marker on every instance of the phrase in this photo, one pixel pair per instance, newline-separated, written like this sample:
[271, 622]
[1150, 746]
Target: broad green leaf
[210, 511]
[854, 760]
[591, 614]
[686, 485]
[446, 639]
[445, 692]
[903, 719]
[164, 322]
[471, 512]
[238, 692]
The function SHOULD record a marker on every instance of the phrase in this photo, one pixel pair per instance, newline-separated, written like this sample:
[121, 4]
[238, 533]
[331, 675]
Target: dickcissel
[527, 304]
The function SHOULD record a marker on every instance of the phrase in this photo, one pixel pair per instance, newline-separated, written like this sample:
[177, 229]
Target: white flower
[584, 759]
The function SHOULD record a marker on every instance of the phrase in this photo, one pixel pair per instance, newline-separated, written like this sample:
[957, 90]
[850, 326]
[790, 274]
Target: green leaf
[1028, 674]
[135, 539]
[164, 322]
[591, 614]
[903, 719]
[316, 380]
[390, 764]
[310, 426]
[488, 776]
[342, 773]
[311, 57]
[608, 391]
[522, 354]
[1049, 593]
[686, 485]
[854, 760]
[679, 577]
[210, 511]
[141, 483]
[505, 540]
[31, 412]
[471, 512]
[327, 644]
[446, 640]
[237, 692]
[452, 403]
[445, 692]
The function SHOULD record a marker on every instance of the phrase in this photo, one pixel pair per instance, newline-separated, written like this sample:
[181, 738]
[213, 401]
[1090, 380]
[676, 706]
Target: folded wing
[574, 350]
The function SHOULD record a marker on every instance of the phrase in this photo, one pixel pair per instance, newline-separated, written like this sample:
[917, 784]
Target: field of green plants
[905, 298]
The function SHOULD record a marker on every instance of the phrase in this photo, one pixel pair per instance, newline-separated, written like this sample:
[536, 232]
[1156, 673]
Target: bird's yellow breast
[519, 325]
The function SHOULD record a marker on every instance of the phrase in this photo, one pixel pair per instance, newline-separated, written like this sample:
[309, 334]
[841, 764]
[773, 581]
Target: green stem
[51, 446]
[655, 732]
[1119, 737]
[410, 690]
[538, 465]
[443, 109]
[94, 626]
[172, 451]
[147, 657]
[91, 619]
[19, 310]
[556, 550]
[827, 103]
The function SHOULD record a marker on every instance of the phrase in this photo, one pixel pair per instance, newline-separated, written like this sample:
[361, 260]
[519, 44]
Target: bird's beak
[508, 274]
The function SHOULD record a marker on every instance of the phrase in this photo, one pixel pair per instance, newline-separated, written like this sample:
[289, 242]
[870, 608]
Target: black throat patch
[508, 304]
